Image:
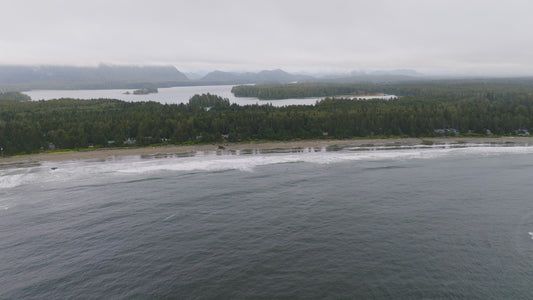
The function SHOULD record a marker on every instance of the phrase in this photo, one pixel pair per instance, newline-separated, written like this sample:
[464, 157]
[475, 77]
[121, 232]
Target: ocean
[424, 222]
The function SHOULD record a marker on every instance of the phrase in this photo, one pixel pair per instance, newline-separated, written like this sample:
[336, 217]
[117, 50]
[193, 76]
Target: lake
[173, 95]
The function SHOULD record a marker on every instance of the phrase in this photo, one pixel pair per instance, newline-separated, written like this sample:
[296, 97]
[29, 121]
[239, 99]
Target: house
[130, 141]
[522, 132]
[446, 131]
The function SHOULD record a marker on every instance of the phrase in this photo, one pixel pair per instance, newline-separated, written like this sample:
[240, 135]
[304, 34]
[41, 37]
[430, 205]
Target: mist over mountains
[101, 77]
[265, 76]
[114, 77]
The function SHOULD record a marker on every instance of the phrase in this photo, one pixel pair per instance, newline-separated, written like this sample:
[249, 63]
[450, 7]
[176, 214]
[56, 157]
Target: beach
[103, 153]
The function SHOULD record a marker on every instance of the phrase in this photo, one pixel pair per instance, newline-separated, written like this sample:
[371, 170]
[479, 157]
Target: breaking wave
[247, 162]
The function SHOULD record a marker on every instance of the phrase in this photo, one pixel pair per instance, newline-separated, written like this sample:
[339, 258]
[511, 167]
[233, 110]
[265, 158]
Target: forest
[450, 88]
[302, 90]
[421, 110]
[14, 96]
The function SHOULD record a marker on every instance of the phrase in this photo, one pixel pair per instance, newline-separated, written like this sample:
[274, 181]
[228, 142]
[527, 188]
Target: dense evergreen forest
[422, 110]
[302, 90]
[14, 96]
[438, 88]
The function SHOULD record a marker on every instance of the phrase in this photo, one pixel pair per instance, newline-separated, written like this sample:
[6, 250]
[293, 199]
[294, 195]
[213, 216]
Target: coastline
[259, 146]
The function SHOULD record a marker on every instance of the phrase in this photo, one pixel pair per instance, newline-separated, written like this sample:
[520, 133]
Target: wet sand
[260, 146]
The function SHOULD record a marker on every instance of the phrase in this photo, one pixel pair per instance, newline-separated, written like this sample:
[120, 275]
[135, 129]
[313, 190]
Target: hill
[265, 76]
[20, 78]
[101, 77]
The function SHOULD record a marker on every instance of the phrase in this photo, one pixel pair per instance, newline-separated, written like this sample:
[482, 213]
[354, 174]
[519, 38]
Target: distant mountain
[224, 76]
[194, 75]
[400, 72]
[18, 78]
[101, 77]
[279, 76]
[266, 76]
[375, 77]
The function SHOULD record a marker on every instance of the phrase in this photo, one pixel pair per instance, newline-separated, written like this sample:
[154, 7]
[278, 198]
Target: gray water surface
[414, 223]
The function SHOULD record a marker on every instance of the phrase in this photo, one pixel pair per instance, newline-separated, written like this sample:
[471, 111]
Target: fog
[444, 37]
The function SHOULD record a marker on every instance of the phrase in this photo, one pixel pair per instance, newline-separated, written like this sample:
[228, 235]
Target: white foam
[83, 170]
[169, 217]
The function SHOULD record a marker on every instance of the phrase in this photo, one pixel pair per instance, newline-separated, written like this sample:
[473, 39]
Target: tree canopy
[420, 111]
[16, 96]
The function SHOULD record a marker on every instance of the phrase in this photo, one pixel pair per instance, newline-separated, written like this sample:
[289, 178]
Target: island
[145, 91]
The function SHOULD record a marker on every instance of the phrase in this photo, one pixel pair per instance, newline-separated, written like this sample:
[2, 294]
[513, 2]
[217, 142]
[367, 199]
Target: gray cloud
[337, 35]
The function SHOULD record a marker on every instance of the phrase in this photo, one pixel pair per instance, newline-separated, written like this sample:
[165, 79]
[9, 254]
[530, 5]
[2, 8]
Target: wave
[89, 171]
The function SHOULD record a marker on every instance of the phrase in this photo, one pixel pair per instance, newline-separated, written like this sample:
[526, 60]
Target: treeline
[207, 101]
[302, 90]
[449, 89]
[16, 96]
[27, 127]
[145, 91]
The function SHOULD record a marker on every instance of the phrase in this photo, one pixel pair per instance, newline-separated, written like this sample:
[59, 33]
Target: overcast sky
[334, 35]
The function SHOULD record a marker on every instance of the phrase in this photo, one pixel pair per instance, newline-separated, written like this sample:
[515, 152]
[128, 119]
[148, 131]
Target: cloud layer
[337, 35]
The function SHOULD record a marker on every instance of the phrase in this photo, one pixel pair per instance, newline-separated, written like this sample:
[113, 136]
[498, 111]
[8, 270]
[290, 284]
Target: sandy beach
[260, 146]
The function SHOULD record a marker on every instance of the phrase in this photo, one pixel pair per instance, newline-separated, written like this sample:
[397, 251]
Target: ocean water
[404, 223]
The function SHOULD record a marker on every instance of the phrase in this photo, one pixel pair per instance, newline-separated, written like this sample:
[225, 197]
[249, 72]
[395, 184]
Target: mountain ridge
[19, 77]
[72, 77]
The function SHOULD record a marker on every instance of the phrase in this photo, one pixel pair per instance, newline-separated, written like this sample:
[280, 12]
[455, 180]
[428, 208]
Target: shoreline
[260, 146]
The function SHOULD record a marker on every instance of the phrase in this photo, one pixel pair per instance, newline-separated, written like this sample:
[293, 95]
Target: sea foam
[67, 171]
